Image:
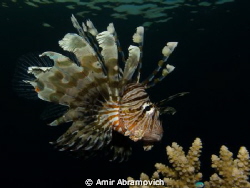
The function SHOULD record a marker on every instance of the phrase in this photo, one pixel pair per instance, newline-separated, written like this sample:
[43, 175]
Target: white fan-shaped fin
[105, 39]
[35, 70]
[56, 57]
[48, 82]
[85, 29]
[138, 36]
[110, 55]
[85, 54]
[107, 43]
[74, 21]
[169, 48]
[172, 45]
[72, 42]
[170, 68]
[33, 83]
[167, 70]
[111, 28]
[91, 28]
[132, 62]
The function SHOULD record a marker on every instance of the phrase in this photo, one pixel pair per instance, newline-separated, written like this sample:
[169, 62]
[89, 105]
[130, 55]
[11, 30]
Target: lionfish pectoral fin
[28, 67]
[84, 139]
[120, 148]
[68, 116]
[88, 140]
[167, 110]
[53, 111]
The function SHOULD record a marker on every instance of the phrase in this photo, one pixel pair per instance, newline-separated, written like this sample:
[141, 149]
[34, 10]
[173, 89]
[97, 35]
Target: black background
[212, 62]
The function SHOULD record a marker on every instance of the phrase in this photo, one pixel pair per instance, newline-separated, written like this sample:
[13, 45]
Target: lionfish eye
[147, 108]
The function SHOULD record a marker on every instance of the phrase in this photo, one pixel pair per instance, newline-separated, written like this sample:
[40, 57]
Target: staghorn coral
[232, 172]
[184, 173]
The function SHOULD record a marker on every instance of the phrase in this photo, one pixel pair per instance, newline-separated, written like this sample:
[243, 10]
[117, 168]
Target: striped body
[138, 116]
[107, 103]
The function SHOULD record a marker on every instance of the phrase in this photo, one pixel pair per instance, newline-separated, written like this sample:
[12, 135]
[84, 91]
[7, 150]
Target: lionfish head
[139, 117]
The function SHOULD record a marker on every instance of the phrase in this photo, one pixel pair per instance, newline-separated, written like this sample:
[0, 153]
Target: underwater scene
[125, 93]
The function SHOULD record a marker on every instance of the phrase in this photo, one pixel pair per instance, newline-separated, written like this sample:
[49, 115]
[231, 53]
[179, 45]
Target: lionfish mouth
[149, 140]
[151, 137]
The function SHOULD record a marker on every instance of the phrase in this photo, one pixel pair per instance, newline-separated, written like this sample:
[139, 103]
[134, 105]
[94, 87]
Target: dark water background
[213, 64]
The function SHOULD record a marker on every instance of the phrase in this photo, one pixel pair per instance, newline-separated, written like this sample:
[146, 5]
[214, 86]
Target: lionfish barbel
[107, 103]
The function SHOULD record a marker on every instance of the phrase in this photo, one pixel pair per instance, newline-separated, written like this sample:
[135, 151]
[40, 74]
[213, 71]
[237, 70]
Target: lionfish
[107, 103]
